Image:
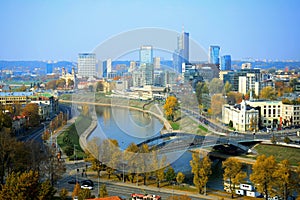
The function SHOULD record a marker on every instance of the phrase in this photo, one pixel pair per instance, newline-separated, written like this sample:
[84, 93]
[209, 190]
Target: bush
[69, 150]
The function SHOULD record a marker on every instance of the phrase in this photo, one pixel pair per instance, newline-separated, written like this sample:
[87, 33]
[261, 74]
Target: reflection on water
[126, 126]
[129, 126]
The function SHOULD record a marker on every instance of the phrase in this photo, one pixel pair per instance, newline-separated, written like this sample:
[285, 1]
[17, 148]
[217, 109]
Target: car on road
[87, 184]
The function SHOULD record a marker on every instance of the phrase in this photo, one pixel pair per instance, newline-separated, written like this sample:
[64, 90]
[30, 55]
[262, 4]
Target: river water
[128, 126]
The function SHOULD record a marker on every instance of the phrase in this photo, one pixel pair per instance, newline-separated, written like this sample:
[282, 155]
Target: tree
[63, 194]
[216, 86]
[201, 88]
[84, 194]
[26, 185]
[103, 191]
[159, 166]
[233, 173]
[253, 126]
[180, 177]
[201, 168]
[131, 155]
[268, 93]
[76, 190]
[285, 181]
[51, 85]
[227, 87]
[99, 86]
[263, 174]
[293, 83]
[217, 101]
[31, 111]
[170, 107]
[170, 174]
[61, 83]
[234, 97]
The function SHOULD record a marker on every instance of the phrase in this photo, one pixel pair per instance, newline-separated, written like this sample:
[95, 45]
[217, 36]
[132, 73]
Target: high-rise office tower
[181, 54]
[86, 64]
[213, 56]
[226, 62]
[146, 54]
[156, 63]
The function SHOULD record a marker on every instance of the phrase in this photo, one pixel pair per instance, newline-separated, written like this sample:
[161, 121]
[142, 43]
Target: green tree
[170, 107]
[99, 86]
[103, 191]
[263, 174]
[201, 168]
[268, 93]
[233, 173]
[170, 174]
[180, 178]
[201, 88]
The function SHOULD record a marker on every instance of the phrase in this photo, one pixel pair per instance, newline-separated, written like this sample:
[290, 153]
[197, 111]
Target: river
[130, 126]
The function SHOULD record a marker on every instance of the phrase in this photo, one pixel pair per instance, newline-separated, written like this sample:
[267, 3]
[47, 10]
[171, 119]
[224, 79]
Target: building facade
[86, 64]
[146, 54]
[225, 62]
[213, 56]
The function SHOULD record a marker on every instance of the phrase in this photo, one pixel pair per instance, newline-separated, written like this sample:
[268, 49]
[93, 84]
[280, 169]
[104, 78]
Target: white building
[242, 116]
[86, 64]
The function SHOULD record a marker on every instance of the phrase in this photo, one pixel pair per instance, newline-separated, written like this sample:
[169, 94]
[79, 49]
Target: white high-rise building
[156, 63]
[86, 64]
[146, 54]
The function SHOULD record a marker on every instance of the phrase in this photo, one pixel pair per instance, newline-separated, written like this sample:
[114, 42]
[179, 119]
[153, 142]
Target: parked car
[87, 184]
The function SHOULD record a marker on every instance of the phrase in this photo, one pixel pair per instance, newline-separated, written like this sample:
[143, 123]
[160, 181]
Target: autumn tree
[234, 97]
[130, 156]
[263, 175]
[159, 166]
[253, 126]
[170, 107]
[94, 155]
[285, 182]
[201, 168]
[76, 190]
[103, 191]
[145, 159]
[26, 185]
[5, 120]
[216, 86]
[51, 85]
[63, 194]
[217, 101]
[227, 87]
[31, 111]
[61, 83]
[180, 178]
[84, 194]
[268, 93]
[233, 173]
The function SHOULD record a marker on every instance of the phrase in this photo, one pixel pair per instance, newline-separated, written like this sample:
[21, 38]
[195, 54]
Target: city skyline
[59, 30]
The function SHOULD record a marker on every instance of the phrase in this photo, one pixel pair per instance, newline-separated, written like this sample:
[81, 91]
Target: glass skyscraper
[181, 54]
[226, 62]
[214, 52]
[146, 54]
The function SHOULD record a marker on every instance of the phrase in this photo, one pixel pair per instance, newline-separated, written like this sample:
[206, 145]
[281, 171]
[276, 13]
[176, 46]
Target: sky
[60, 29]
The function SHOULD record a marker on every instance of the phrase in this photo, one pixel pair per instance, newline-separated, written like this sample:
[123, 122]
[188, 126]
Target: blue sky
[60, 29]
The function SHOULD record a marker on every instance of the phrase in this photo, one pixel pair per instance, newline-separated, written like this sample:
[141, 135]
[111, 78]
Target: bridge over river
[178, 141]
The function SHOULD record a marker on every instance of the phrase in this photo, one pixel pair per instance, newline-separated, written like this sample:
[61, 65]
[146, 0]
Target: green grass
[175, 125]
[280, 153]
[70, 137]
[203, 128]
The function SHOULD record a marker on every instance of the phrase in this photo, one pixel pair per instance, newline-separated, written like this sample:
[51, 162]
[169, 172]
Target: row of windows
[269, 106]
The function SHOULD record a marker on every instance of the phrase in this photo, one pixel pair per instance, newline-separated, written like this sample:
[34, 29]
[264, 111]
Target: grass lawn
[203, 128]
[280, 153]
[70, 138]
[175, 125]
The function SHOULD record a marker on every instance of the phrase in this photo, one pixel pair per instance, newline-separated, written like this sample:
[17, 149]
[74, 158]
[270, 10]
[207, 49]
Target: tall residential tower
[86, 64]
